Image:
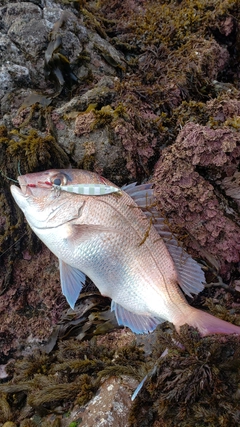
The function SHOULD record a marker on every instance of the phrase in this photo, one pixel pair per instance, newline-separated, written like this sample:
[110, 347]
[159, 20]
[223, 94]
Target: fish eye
[59, 179]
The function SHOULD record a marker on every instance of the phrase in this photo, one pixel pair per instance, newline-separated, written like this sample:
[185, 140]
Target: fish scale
[121, 243]
[129, 237]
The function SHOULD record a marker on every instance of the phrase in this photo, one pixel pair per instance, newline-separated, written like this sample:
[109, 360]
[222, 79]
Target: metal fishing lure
[83, 189]
[88, 189]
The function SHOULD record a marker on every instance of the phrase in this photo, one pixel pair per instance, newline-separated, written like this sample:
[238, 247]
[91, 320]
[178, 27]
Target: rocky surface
[135, 90]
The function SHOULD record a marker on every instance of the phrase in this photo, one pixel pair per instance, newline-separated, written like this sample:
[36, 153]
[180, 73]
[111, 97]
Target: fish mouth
[24, 187]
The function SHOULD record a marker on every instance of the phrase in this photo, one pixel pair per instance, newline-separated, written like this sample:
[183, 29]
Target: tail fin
[208, 324]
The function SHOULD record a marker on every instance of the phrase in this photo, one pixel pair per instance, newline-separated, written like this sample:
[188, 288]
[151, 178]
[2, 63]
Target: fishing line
[11, 179]
[5, 176]
[18, 167]
[13, 244]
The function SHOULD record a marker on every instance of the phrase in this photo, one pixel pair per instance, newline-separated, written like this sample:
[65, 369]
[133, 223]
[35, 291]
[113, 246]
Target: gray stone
[103, 93]
[26, 11]
[9, 51]
[52, 14]
[11, 75]
[111, 405]
[30, 35]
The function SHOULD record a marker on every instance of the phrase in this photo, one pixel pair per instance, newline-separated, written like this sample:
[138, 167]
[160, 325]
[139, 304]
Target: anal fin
[139, 324]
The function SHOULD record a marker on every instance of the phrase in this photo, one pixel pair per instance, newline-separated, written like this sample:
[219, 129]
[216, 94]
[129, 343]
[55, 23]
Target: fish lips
[20, 198]
[22, 195]
[25, 189]
[30, 186]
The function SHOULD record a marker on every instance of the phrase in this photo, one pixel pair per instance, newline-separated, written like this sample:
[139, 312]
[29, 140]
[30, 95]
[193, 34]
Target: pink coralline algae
[136, 145]
[84, 123]
[223, 109]
[184, 191]
[231, 185]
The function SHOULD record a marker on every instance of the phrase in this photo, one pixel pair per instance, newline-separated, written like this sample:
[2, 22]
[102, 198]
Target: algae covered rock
[135, 90]
[185, 177]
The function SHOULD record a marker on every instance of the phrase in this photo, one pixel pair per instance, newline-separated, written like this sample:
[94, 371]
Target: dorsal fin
[190, 275]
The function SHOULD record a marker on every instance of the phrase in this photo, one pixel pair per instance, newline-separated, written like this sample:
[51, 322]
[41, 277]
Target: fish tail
[208, 324]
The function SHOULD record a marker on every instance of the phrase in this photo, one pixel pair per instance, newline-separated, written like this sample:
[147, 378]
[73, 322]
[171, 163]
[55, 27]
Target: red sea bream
[121, 243]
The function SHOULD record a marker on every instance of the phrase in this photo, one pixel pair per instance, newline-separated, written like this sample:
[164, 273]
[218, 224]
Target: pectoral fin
[137, 323]
[72, 281]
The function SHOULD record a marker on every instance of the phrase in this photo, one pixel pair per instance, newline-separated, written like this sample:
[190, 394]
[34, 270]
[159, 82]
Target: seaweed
[197, 378]
[193, 384]
[57, 66]
[35, 152]
[68, 376]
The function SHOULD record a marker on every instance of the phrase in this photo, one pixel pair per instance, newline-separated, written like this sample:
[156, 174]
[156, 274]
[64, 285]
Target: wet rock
[231, 186]
[90, 148]
[108, 53]
[111, 405]
[103, 93]
[22, 37]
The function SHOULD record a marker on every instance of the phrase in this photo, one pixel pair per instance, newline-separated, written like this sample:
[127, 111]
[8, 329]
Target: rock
[23, 10]
[9, 51]
[23, 35]
[189, 198]
[155, 94]
[30, 35]
[12, 75]
[103, 93]
[111, 405]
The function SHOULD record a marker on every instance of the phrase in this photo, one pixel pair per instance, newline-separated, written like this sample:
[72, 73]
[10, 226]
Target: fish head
[43, 205]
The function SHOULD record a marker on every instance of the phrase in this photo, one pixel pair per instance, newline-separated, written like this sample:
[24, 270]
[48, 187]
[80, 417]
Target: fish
[122, 243]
